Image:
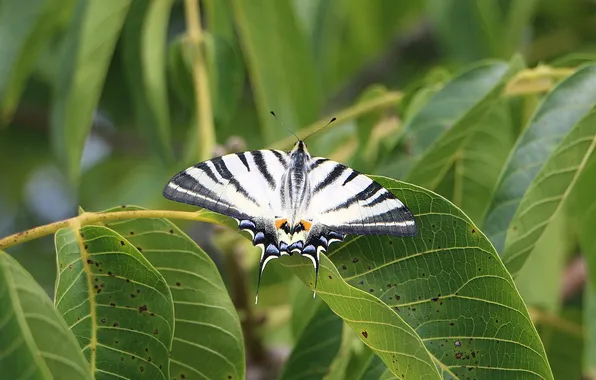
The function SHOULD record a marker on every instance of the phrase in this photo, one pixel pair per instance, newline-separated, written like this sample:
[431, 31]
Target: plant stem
[204, 114]
[94, 217]
[389, 99]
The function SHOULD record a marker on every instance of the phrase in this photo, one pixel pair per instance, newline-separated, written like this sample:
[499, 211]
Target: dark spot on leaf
[121, 358]
[371, 290]
[458, 355]
[78, 318]
[132, 232]
[138, 291]
[434, 299]
[413, 309]
[149, 359]
[152, 314]
[229, 376]
[365, 334]
[330, 277]
[123, 206]
[101, 270]
[127, 280]
[141, 369]
[182, 376]
[172, 231]
[142, 308]
[473, 354]
[115, 324]
[97, 264]
[82, 235]
[121, 242]
[113, 304]
[109, 273]
[103, 284]
[98, 291]
[390, 242]
[116, 342]
[89, 261]
[103, 320]
[473, 231]
[70, 266]
[423, 275]
[86, 246]
[132, 296]
[354, 260]
[155, 332]
[457, 343]
[96, 279]
[146, 349]
[344, 267]
[451, 324]
[368, 267]
[398, 297]
[388, 285]
[361, 282]
[140, 249]
[132, 357]
[177, 284]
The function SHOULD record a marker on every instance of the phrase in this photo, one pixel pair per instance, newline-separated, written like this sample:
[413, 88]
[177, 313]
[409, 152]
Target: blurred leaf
[589, 357]
[430, 169]
[547, 260]
[86, 54]
[36, 343]
[115, 302]
[438, 282]
[24, 32]
[557, 114]
[477, 165]
[207, 325]
[376, 368]
[548, 192]
[317, 346]
[445, 108]
[280, 65]
[562, 336]
[144, 52]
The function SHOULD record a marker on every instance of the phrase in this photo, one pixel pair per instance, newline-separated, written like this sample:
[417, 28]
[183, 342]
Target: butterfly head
[299, 147]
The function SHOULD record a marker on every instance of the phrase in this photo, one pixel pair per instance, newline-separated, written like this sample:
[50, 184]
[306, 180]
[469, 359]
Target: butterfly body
[292, 202]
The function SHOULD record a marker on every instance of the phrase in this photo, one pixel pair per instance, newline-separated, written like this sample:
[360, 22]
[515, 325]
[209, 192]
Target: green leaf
[548, 192]
[24, 32]
[590, 335]
[447, 283]
[280, 65]
[115, 302]
[557, 114]
[430, 169]
[144, 55]
[207, 325]
[316, 348]
[36, 343]
[441, 112]
[86, 54]
[477, 165]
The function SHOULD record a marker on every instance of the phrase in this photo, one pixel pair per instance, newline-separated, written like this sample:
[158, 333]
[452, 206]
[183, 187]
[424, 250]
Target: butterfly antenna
[280, 123]
[319, 130]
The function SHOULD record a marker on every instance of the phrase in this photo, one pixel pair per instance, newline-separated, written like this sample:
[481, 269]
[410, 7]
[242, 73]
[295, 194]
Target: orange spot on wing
[306, 224]
[279, 223]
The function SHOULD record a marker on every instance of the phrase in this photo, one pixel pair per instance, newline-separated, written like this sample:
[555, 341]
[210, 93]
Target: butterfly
[291, 202]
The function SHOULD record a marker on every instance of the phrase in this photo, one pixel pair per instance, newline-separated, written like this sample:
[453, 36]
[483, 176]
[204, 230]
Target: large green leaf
[317, 346]
[548, 192]
[24, 31]
[86, 53]
[557, 114]
[431, 168]
[35, 341]
[280, 64]
[144, 48]
[115, 302]
[590, 337]
[447, 284]
[208, 338]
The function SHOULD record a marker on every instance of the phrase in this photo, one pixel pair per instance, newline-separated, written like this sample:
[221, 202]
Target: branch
[94, 217]
[204, 115]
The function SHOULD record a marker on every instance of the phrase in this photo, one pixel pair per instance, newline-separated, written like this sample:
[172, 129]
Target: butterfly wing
[243, 186]
[348, 202]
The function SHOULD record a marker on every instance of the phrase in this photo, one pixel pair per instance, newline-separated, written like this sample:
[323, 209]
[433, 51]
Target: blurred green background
[98, 103]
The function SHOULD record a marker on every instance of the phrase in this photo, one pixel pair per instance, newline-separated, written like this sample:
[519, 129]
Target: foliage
[485, 113]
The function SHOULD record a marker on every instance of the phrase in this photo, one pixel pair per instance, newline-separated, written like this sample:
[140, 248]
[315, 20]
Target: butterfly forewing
[351, 203]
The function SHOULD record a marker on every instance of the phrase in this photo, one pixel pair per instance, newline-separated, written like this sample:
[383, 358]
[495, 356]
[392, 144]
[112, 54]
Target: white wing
[351, 203]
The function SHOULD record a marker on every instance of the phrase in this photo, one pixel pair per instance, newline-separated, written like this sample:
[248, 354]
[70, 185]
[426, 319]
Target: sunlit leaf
[144, 47]
[86, 53]
[207, 324]
[548, 192]
[115, 302]
[557, 114]
[36, 343]
[317, 346]
[443, 284]
[434, 163]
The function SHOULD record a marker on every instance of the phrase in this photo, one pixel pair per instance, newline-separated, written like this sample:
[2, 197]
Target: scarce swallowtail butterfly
[291, 202]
